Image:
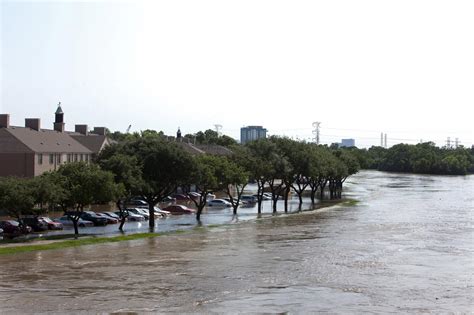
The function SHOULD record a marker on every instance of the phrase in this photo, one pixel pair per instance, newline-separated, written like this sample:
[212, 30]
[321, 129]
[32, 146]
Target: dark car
[13, 227]
[169, 199]
[181, 197]
[137, 203]
[110, 220]
[36, 223]
[93, 217]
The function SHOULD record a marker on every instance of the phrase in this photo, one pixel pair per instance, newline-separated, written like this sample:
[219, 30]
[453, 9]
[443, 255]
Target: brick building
[30, 150]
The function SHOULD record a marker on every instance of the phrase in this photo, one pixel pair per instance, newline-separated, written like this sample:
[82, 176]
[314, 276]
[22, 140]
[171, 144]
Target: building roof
[93, 142]
[42, 141]
[59, 110]
[214, 149]
[188, 147]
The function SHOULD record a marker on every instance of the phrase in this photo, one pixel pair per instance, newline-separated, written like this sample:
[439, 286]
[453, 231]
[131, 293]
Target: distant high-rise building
[252, 133]
[347, 143]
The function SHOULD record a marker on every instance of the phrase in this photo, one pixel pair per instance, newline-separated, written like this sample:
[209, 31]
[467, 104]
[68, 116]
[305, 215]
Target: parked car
[181, 197]
[66, 220]
[235, 200]
[179, 209]
[266, 196]
[139, 211]
[52, 225]
[132, 217]
[93, 217]
[194, 195]
[248, 199]
[35, 223]
[162, 212]
[109, 219]
[169, 199]
[210, 197]
[219, 203]
[13, 227]
[112, 215]
[137, 203]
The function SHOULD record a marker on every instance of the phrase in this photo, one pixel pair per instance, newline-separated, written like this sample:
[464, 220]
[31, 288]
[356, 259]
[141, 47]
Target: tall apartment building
[252, 133]
[347, 143]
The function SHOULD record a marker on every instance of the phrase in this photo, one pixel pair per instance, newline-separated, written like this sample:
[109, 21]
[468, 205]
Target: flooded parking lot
[405, 246]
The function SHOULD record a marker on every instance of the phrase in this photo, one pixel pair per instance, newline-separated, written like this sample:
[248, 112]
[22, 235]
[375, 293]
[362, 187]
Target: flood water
[406, 246]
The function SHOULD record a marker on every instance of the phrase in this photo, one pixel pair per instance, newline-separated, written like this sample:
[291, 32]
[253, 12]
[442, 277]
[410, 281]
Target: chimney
[101, 131]
[4, 120]
[33, 123]
[82, 129]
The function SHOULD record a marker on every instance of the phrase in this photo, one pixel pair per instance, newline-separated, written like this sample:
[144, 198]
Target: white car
[218, 203]
[66, 220]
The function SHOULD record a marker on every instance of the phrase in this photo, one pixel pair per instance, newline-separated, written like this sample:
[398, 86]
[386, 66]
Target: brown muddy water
[406, 247]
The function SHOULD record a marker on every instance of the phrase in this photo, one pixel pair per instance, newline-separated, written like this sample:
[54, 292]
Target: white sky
[360, 67]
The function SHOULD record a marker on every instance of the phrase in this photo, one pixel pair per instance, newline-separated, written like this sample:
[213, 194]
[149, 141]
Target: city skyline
[404, 69]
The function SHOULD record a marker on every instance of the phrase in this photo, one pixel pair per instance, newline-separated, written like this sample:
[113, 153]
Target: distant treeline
[422, 158]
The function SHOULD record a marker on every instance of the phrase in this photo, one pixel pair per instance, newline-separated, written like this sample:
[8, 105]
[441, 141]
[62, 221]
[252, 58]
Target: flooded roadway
[407, 247]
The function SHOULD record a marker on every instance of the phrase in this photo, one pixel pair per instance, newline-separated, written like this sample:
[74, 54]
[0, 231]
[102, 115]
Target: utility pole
[448, 143]
[456, 143]
[385, 141]
[316, 126]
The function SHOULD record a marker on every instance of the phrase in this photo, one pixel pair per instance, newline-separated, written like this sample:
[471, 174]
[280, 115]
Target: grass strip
[75, 243]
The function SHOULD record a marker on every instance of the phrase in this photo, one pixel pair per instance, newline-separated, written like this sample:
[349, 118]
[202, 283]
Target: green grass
[351, 203]
[75, 243]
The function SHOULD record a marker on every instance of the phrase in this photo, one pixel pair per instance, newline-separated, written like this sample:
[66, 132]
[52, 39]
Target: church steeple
[59, 119]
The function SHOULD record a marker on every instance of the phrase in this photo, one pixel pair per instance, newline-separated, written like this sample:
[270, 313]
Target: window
[51, 158]
[40, 158]
[75, 157]
[69, 157]
[82, 157]
[59, 159]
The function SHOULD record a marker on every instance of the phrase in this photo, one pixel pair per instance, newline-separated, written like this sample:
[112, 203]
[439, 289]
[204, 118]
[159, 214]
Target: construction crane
[128, 129]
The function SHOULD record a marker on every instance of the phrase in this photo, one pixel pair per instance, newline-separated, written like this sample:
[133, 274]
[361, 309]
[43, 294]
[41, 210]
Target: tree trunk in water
[260, 196]
[287, 193]
[198, 214]
[76, 229]
[274, 205]
[235, 209]
[151, 212]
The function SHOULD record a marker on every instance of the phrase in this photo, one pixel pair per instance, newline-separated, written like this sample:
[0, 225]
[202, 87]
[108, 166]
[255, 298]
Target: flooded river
[406, 246]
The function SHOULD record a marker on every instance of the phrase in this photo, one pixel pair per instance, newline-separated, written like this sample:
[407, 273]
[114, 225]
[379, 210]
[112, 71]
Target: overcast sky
[360, 68]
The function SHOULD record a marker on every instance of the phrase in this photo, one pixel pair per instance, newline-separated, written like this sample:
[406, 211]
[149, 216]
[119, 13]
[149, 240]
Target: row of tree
[153, 168]
[422, 158]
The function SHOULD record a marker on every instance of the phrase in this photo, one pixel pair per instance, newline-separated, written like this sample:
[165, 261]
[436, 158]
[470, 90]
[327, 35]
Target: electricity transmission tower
[316, 126]
[218, 129]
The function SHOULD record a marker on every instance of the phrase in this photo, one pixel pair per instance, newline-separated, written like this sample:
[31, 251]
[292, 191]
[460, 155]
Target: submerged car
[219, 203]
[109, 219]
[66, 220]
[35, 223]
[179, 209]
[93, 217]
[132, 217]
[52, 225]
[13, 227]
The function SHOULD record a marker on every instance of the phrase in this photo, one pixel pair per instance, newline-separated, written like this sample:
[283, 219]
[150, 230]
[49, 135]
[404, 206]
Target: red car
[51, 224]
[179, 209]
